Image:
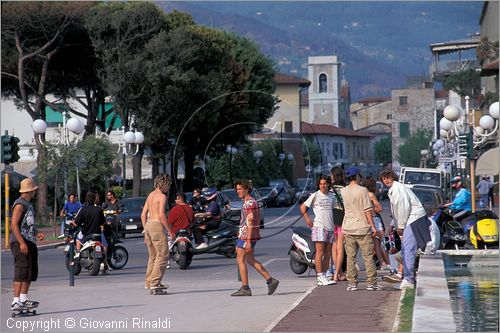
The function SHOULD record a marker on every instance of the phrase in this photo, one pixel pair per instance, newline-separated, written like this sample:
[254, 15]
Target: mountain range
[379, 43]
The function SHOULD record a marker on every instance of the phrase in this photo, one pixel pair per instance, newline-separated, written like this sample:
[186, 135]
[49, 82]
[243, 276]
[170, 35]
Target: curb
[44, 246]
[395, 326]
[287, 311]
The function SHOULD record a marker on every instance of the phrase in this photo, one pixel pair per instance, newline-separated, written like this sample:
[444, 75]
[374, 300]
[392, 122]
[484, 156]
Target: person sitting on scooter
[91, 220]
[210, 219]
[197, 202]
[461, 205]
[181, 215]
[71, 207]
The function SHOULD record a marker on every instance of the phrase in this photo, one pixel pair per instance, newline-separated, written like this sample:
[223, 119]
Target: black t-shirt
[197, 204]
[90, 218]
[108, 205]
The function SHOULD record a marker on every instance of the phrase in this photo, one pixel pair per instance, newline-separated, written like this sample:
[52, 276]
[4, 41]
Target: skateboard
[158, 291]
[23, 313]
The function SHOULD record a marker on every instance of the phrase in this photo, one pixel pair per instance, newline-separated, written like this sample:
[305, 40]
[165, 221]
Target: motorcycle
[91, 253]
[221, 240]
[111, 217]
[452, 233]
[482, 229]
[116, 254]
[301, 255]
[182, 249]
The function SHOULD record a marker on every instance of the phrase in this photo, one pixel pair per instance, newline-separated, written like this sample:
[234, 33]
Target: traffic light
[466, 145]
[10, 149]
[6, 149]
[14, 143]
[470, 145]
[462, 145]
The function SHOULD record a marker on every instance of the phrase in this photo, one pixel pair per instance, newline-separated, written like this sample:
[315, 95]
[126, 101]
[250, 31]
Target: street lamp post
[128, 140]
[459, 136]
[73, 125]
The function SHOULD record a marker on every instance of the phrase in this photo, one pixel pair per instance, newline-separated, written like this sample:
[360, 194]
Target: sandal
[342, 277]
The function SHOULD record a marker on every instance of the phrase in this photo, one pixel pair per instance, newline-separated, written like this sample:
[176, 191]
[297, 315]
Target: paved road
[198, 298]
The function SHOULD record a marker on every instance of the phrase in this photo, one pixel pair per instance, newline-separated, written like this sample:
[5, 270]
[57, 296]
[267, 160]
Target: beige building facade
[370, 111]
[412, 109]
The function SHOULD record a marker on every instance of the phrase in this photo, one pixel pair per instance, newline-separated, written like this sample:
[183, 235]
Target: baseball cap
[352, 171]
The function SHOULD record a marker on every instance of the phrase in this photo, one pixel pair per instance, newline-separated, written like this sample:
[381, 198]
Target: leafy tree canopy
[465, 83]
[409, 152]
[383, 150]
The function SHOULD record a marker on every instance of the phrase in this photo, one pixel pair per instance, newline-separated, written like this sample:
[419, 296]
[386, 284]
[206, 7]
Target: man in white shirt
[412, 222]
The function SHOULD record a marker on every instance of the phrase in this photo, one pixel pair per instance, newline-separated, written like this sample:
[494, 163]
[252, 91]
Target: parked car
[382, 190]
[130, 217]
[235, 204]
[304, 191]
[269, 196]
[431, 199]
[286, 193]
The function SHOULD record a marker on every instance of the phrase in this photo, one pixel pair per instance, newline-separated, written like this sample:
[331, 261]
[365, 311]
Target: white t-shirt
[322, 205]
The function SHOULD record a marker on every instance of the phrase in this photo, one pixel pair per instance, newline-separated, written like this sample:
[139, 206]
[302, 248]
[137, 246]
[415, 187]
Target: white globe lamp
[493, 110]
[439, 143]
[452, 112]
[75, 125]
[445, 124]
[39, 126]
[487, 122]
[129, 137]
[139, 138]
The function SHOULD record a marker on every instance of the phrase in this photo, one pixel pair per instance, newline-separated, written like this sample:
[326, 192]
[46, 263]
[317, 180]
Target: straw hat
[28, 185]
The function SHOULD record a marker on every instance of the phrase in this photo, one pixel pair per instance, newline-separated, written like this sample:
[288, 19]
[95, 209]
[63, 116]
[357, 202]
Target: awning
[488, 164]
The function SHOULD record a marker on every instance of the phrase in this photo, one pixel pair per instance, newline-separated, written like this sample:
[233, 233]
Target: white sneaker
[405, 284]
[202, 246]
[60, 236]
[322, 280]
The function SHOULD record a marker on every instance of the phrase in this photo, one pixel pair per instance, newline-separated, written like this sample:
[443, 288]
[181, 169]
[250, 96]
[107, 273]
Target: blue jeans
[409, 252]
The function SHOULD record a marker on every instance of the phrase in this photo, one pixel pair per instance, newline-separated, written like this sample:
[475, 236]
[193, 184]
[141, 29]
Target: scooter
[116, 254]
[182, 249]
[301, 255]
[452, 233]
[221, 240]
[111, 217]
[482, 229]
[91, 253]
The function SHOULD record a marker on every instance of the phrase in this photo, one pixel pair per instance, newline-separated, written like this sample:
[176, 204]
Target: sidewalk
[334, 309]
[46, 243]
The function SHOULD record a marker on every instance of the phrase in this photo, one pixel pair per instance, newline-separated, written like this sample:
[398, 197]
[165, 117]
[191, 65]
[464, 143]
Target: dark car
[382, 190]
[234, 204]
[283, 186]
[305, 187]
[269, 196]
[302, 194]
[431, 199]
[130, 217]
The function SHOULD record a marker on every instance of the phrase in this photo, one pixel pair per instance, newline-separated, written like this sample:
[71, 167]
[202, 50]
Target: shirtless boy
[154, 221]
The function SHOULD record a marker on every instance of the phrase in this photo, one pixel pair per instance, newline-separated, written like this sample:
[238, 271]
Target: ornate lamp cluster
[456, 121]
